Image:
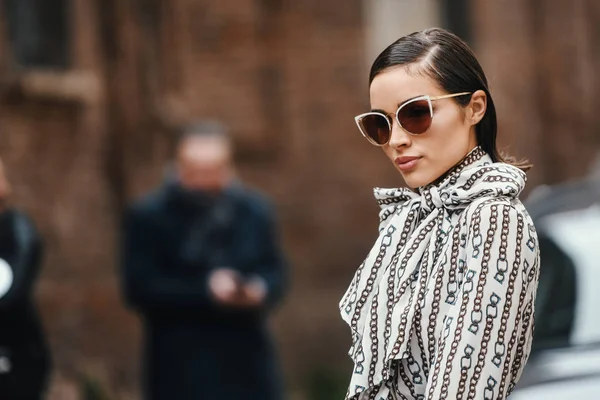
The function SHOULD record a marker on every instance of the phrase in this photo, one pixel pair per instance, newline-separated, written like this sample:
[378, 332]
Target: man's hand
[254, 292]
[225, 287]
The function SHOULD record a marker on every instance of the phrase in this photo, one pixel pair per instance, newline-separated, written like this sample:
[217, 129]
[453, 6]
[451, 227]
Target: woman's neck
[442, 177]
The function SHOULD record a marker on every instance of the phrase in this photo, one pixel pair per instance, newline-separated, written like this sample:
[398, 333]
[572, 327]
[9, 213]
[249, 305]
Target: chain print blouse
[442, 307]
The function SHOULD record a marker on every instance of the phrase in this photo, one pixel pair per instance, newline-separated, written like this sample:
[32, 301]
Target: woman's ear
[477, 106]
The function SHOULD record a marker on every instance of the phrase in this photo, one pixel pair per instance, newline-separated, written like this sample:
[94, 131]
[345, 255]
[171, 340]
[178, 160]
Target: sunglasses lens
[376, 128]
[415, 117]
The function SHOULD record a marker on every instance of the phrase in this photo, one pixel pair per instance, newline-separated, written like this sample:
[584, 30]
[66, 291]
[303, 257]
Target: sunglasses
[414, 116]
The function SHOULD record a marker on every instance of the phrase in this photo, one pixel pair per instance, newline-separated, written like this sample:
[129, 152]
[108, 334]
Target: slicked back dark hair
[445, 58]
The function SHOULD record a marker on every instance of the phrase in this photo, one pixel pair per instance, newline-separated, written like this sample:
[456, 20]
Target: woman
[442, 307]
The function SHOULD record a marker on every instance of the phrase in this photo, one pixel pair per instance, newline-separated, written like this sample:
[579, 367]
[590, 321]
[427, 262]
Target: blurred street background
[91, 92]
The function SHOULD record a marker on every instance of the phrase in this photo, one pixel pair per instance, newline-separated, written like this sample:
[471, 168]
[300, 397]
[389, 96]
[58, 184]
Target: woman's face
[422, 159]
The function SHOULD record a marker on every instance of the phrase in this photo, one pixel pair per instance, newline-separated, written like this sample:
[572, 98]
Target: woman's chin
[420, 177]
[415, 180]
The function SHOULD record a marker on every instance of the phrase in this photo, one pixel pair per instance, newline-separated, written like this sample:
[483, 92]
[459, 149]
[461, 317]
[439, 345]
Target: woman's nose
[399, 136]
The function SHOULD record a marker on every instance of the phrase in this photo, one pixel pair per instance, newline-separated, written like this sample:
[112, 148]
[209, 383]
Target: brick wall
[288, 78]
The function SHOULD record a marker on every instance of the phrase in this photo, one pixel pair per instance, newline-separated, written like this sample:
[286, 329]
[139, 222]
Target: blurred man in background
[24, 361]
[203, 268]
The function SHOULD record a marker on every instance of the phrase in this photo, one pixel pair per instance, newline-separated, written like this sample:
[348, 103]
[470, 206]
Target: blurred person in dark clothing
[24, 359]
[203, 268]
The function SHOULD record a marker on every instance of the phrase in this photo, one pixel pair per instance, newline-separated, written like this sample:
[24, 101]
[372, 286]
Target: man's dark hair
[203, 129]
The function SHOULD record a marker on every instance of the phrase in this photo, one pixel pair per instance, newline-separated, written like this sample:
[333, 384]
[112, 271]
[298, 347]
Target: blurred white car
[565, 363]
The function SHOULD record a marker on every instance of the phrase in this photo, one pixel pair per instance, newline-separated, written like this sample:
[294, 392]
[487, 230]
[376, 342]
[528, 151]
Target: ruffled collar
[462, 185]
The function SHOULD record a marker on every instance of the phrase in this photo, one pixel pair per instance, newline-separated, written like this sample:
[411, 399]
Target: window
[38, 34]
[388, 20]
[456, 17]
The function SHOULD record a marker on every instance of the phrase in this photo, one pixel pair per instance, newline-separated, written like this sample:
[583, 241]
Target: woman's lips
[406, 163]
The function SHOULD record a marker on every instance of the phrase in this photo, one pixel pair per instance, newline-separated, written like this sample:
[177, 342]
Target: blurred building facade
[89, 127]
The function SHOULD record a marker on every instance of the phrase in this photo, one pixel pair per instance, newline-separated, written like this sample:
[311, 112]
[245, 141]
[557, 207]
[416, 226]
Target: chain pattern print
[442, 306]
